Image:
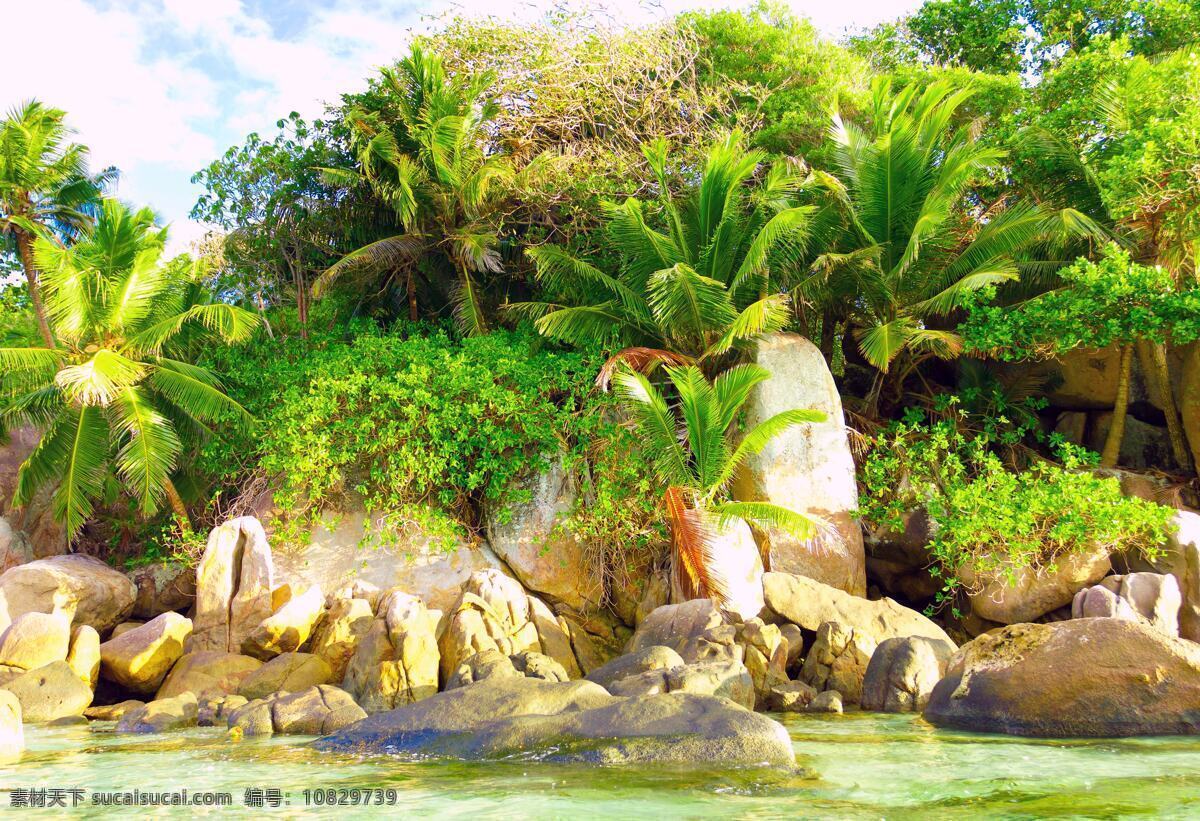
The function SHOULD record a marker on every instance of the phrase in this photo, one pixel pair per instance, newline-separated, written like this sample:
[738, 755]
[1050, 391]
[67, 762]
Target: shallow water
[853, 766]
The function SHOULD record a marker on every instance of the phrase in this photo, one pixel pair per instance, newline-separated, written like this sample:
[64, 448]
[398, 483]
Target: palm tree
[711, 282]
[908, 252]
[113, 395]
[695, 454]
[427, 160]
[45, 189]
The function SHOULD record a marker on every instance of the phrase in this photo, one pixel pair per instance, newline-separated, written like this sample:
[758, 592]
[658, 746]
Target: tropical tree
[46, 189]
[117, 395]
[711, 282]
[694, 452]
[426, 157]
[914, 245]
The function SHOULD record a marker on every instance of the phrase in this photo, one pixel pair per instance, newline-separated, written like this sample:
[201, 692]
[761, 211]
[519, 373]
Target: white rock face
[808, 468]
[528, 538]
[340, 552]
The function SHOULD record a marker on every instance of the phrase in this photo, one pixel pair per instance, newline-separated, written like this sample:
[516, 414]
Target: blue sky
[161, 87]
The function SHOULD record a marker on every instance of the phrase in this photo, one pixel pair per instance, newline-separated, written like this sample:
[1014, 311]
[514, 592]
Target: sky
[159, 88]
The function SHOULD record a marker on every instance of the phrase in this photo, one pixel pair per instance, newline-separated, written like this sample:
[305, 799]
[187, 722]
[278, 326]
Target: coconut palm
[117, 394]
[694, 453]
[427, 160]
[45, 189]
[914, 246]
[709, 283]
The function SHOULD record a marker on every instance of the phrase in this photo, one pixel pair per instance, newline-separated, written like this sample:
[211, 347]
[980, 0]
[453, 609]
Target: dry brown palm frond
[692, 550]
[642, 360]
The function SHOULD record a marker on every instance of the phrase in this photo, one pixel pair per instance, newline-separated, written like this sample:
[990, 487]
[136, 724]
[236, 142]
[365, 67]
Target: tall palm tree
[711, 282]
[428, 160]
[913, 245]
[695, 452]
[117, 394]
[45, 189]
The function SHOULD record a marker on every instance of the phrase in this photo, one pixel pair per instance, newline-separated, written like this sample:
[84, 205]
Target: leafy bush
[419, 424]
[999, 521]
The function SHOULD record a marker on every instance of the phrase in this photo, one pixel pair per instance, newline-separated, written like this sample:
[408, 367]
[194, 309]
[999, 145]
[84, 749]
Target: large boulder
[313, 711]
[808, 466]
[1152, 597]
[163, 586]
[1081, 677]
[347, 547]
[396, 663]
[654, 657]
[903, 672]
[34, 640]
[84, 655]
[1181, 558]
[1035, 592]
[233, 586]
[684, 627]
[82, 588]
[574, 721]
[838, 661]
[208, 674]
[530, 538]
[288, 628]
[336, 639]
[726, 679]
[139, 659]
[50, 692]
[161, 716]
[495, 613]
[12, 734]
[286, 673]
[809, 604]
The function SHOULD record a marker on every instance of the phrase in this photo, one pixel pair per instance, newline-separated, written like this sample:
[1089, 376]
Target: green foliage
[997, 521]
[410, 420]
[695, 451]
[1110, 301]
[707, 284]
[18, 325]
[117, 397]
[782, 71]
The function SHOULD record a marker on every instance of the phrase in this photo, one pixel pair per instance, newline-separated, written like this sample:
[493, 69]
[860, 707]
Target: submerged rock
[570, 721]
[903, 673]
[1083, 677]
[161, 715]
[829, 701]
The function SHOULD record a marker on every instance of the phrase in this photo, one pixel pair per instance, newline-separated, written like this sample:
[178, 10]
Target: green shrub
[421, 425]
[999, 521]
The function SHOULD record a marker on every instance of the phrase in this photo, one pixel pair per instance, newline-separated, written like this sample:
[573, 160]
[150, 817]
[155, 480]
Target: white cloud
[161, 87]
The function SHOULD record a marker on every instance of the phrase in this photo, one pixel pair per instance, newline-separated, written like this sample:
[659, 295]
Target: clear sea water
[859, 765]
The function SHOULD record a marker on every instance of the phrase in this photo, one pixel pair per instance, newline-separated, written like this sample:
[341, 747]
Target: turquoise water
[852, 766]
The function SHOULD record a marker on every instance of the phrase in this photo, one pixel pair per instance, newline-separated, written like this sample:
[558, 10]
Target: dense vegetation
[437, 270]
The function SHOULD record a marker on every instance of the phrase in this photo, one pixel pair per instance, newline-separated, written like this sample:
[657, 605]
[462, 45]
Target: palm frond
[150, 450]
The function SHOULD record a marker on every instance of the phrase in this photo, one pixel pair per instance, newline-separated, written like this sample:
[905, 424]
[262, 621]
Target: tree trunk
[411, 286]
[828, 334]
[1160, 380]
[1116, 429]
[25, 249]
[176, 502]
